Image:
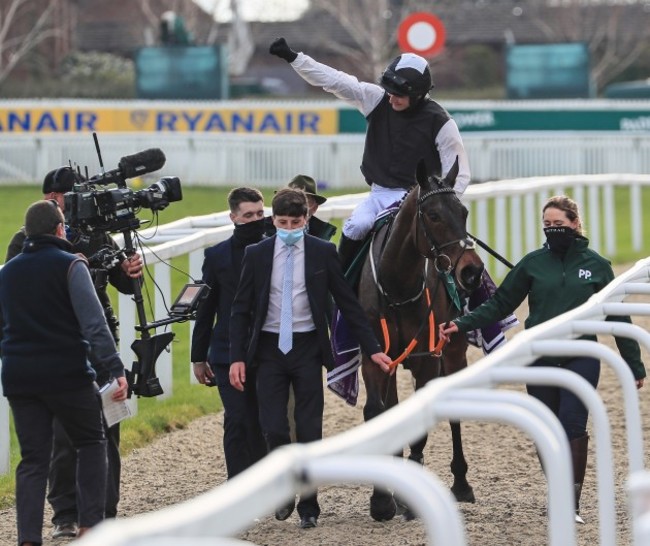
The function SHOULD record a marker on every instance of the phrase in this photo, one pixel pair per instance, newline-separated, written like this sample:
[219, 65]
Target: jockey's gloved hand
[280, 48]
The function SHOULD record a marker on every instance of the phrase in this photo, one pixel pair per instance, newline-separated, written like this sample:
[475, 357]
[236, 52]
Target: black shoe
[65, 530]
[284, 512]
[308, 522]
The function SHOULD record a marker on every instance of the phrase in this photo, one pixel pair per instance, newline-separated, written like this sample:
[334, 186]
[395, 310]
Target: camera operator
[51, 321]
[62, 496]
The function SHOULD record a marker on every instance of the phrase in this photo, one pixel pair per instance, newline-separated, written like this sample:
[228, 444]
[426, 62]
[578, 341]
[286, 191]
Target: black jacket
[221, 274]
[323, 276]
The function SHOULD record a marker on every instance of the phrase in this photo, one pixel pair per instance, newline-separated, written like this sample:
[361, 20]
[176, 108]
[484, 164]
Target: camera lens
[170, 187]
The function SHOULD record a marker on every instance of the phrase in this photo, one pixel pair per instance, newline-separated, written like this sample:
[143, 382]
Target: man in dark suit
[243, 443]
[279, 329]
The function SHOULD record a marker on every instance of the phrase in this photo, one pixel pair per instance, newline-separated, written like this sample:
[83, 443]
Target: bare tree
[372, 26]
[614, 32]
[369, 24]
[21, 33]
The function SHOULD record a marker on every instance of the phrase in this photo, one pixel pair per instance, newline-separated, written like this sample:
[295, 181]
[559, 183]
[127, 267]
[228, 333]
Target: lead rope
[435, 349]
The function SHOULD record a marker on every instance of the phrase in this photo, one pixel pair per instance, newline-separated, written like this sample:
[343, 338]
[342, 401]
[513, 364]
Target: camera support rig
[92, 207]
[142, 377]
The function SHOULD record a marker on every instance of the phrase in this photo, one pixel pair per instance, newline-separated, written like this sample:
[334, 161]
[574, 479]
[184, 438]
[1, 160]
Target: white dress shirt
[302, 318]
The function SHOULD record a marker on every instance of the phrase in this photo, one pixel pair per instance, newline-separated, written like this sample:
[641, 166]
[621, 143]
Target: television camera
[93, 207]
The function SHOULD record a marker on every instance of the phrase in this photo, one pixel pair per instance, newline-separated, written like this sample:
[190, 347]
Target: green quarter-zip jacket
[554, 284]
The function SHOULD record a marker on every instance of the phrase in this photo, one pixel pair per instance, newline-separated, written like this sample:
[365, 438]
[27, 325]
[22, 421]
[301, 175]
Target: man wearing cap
[404, 126]
[315, 226]
[62, 494]
[50, 322]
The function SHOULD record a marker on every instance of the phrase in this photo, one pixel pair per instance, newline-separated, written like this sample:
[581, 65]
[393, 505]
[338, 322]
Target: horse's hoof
[404, 510]
[417, 458]
[463, 493]
[408, 515]
[383, 508]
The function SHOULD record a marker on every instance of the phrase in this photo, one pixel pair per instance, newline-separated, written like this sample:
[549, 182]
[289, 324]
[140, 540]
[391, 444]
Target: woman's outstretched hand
[446, 329]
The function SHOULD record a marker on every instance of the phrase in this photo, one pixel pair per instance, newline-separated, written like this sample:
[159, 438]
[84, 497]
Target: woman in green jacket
[558, 277]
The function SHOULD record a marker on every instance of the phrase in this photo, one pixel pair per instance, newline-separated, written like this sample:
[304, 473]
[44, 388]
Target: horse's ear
[421, 175]
[450, 179]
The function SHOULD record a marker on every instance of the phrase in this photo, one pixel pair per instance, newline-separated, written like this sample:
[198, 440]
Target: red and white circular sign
[421, 33]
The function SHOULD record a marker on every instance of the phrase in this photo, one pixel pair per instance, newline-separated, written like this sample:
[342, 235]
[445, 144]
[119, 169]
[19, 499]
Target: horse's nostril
[471, 276]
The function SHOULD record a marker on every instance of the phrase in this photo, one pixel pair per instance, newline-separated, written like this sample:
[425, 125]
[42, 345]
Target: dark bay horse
[426, 238]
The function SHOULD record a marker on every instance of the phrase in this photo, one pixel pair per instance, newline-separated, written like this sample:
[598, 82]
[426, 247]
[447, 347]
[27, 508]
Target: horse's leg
[381, 394]
[461, 489]
[454, 360]
[423, 370]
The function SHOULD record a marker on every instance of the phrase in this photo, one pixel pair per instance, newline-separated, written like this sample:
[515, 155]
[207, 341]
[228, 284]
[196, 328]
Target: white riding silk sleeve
[362, 95]
[450, 146]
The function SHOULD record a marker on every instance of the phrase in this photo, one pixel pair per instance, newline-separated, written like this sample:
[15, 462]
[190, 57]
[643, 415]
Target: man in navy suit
[243, 443]
[258, 337]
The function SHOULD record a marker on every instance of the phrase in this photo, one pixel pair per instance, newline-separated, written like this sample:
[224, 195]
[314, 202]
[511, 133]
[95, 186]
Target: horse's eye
[434, 216]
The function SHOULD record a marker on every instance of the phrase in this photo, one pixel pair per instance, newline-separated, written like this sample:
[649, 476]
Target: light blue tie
[285, 339]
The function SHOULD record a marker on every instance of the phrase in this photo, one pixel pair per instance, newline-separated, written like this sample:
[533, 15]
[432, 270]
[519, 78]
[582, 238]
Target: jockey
[404, 126]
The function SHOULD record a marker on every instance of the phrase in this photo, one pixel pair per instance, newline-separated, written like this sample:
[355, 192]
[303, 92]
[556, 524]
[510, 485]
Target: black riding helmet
[408, 75]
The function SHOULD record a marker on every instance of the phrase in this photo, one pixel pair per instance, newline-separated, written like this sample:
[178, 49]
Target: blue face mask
[290, 236]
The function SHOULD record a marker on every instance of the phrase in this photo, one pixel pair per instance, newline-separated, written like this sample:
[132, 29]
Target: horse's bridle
[435, 253]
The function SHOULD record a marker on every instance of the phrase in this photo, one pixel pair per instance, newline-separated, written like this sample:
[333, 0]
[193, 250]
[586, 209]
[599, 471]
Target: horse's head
[441, 233]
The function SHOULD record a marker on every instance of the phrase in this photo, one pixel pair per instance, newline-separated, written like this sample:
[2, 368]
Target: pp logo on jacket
[584, 274]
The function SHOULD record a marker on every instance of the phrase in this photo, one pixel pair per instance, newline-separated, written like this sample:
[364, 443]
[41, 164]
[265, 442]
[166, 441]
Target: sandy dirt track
[503, 469]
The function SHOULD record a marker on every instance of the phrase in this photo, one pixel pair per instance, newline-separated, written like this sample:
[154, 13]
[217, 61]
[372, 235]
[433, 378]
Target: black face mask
[559, 238]
[249, 233]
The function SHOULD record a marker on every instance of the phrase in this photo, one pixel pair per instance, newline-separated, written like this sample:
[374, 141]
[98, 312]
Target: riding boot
[579, 461]
[348, 250]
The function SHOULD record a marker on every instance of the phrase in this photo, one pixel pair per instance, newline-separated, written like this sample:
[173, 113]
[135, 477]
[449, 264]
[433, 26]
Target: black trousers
[243, 442]
[80, 413]
[301, 368]
[62, 494]
[568, 408]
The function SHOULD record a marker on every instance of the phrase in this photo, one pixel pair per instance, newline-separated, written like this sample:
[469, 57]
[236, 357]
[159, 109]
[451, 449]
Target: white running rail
[469, 394]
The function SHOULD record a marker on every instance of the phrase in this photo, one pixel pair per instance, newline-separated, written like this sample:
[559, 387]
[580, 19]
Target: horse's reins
[494, 253]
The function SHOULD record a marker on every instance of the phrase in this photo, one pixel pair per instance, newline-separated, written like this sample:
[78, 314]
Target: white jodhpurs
[359, 224]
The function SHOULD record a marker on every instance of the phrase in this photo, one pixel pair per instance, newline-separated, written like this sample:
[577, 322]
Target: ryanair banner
[305, 118]
[273, 121]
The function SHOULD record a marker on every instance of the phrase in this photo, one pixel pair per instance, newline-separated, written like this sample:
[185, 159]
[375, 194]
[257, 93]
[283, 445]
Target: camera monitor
[188, 300]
